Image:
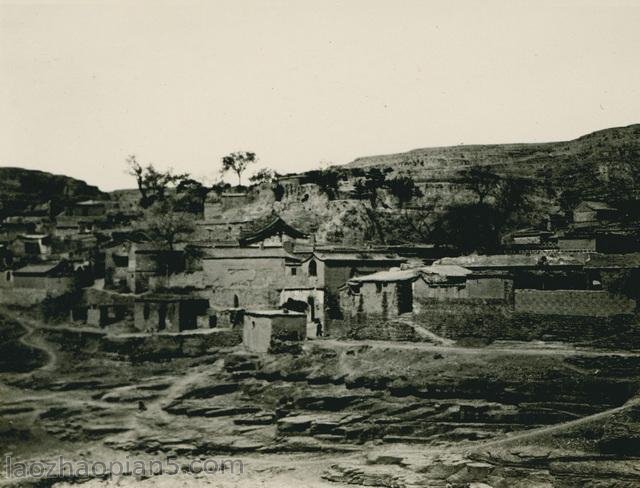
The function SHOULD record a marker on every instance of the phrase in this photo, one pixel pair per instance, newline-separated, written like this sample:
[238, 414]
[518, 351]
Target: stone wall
[488, 319]
[372, 327]
[22, 297]
[141, 347]
[592, 303]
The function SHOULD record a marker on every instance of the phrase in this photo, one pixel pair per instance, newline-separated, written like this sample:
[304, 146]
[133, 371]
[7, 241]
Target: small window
[294, 271]
[146, 311]
[313, 268]
[236, 301]
[378, 287]
[8, 275]
[253, 324]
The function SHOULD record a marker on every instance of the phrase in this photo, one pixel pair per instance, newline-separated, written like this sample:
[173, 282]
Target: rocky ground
[328, 414]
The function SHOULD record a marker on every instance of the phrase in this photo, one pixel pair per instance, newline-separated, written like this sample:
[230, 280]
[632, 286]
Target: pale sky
[85, 83]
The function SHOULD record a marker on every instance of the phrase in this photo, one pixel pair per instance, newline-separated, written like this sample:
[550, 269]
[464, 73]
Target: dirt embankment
[381, 414]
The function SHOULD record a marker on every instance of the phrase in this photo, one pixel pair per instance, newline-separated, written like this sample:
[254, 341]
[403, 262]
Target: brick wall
[592, 303]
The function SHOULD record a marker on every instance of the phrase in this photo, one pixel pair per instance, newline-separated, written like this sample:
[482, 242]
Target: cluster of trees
[500, 203]
[373, 180]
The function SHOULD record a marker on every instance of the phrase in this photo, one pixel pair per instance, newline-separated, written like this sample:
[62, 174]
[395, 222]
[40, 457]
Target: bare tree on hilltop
[238, 162]
[152, 184]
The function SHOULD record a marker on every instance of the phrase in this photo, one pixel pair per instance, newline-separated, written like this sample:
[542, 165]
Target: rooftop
[38, 268]
[357, 256]
[593, 205]
[391, 275]
[273, 313]
[514, 260]
[446, 270]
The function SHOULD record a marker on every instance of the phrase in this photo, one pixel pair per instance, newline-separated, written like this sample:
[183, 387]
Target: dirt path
[507, 349]
[31, 339]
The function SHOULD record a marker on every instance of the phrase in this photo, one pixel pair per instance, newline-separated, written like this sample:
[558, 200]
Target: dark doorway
[162, 316]
[312, 308]
[405, 297]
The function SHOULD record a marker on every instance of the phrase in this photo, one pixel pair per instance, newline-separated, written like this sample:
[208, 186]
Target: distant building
[273, 231]
[158, 312]
[385, 294]
[54, 276]
[32, 245]
[264, 329]
[600, 240]
[591, 212]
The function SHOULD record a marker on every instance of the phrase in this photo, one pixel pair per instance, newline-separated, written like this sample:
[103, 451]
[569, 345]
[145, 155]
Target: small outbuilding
[264, 329]
[167, 312]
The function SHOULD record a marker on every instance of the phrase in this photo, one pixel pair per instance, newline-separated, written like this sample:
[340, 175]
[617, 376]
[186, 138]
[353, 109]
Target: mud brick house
[12, 227]
[384, 294]
[532, 239]
[32, 245]
[290, 183]
[441, 282]
[592, 213]
[554, 295]
[81, 217]
[616, 273]
[100, 308]
[244, 276]
[223, 230]
[31, 284]
[88, 208]
[248, 273]
[600, 240]
[273, 231]
[309, 300]
[545, 271]
[263, 330]
[130, 265]
[331, 268]
[168, 312]
[53, 276]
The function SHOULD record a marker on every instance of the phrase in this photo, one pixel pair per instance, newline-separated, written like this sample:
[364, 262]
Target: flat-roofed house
[592, 212]
[263, 330]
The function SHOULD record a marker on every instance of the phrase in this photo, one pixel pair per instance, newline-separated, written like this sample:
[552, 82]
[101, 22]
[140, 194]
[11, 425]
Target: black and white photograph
[319, 243]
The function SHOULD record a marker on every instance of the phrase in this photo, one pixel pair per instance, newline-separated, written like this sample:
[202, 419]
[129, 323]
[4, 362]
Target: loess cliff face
[22, 188]
[621, 144]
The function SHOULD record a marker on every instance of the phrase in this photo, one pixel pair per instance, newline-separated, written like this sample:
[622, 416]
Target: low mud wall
[143, 346]
[497, 320]
[372, 326]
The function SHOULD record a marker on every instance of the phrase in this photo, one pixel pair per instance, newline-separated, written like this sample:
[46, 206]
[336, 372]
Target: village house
[11, 228]
[87, 208]
[168, 312]
[271, 232]
[290, 183]
[264, 330]
[248, 273]
[589, 213]
[222, 230]
[32, 245]
[385, 294]
[314, 281]
[55, 277]
[81, 218]
[616, 273]
[598, 240]
[531, 239]
[552, 270]
[441, 282]
[131, 265]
